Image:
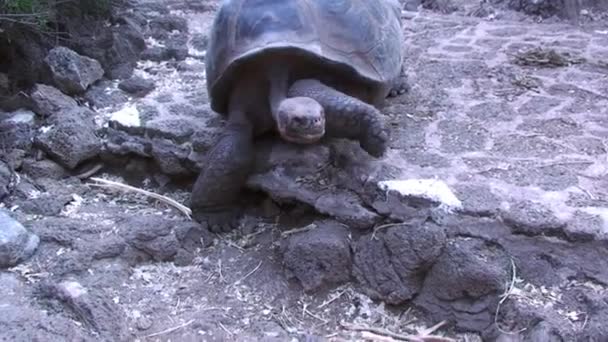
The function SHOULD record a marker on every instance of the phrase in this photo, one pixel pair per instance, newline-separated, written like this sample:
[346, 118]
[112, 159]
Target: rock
[70, 138]
[155, 54]
[154, 236]
[48, 100]
[72, 73]
[137, 85]
[43, 169]
[16, 243]
[162, 27]
[108, 247]
[287, 172]
[46, 204]
[17, 130]
[104, 94]
[531, 218]
[90, 306]
[465, 284]
[199, 41]
[128, 43]
[7, 176]
[164, 53]
[177, 47]
[320, 256]
[391, 264]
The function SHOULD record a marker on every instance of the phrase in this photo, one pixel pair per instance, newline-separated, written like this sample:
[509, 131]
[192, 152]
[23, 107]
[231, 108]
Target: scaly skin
[214, 198]
[346, 116]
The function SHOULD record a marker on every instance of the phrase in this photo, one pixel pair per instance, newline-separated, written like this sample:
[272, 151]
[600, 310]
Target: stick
[248, 274]
[119, 186]
[171, 329]
[409, 338]
[90, 172]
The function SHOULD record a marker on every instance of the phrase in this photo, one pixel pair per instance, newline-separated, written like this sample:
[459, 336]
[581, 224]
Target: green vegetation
[40, 12]
[31, 12]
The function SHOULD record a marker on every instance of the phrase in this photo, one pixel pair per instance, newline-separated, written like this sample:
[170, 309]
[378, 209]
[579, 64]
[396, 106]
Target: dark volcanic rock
[7, 176]
[49, 100]
[288, 173]
[47, 204]
[320, 256]
[70, 138]
[90, 306]
[154, 236]
[161, 27]
[103, 94]
[136, 85]
[391, 264]
[43, 169]
[465, 283]
[22, 321]
[16, 130]
[72, 73]
[16, 243]
[116, 47]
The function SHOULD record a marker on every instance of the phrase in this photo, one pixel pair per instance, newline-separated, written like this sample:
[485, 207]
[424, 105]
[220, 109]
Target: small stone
[16, 130]
[162, 26]
[16, 243]
[143, 323]
[43, 169]
[199, 41]
[6, 177]
[153, 235]
[103, 94]
[72, 72]
[155, 54]
[319, 257]
[136, 85]
[70, 138]
[49, 100]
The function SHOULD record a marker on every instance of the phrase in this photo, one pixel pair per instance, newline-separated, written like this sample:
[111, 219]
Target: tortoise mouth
[297, 136]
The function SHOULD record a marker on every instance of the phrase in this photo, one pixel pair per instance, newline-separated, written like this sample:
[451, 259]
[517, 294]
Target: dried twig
[324, 304]
[299, 230]
[119, 186]
[506, 295]
[248, 274]
[89, 173]
[225, 329]
[388, 225]
[166, 331]
[306, 311]
[421, 337]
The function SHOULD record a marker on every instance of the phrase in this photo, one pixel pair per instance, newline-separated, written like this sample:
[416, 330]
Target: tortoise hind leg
[214, 197]
[346, 116]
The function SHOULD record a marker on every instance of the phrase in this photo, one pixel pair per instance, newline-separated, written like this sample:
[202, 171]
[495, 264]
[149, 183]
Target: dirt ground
[507, 111]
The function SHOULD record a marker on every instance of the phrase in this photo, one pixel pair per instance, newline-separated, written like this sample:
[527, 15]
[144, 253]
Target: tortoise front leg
[346, 116]
[399, 85]
[214, 198]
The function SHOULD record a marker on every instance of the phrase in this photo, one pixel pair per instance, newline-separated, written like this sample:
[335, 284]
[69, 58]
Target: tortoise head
[301, 120]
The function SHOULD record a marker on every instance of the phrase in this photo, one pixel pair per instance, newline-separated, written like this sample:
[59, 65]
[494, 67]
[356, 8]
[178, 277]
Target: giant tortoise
[305, 68]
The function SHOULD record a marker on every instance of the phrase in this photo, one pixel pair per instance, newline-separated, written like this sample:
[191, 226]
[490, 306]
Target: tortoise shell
[361, 36]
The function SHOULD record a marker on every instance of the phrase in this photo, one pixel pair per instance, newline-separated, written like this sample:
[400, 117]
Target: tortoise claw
[219, 220]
